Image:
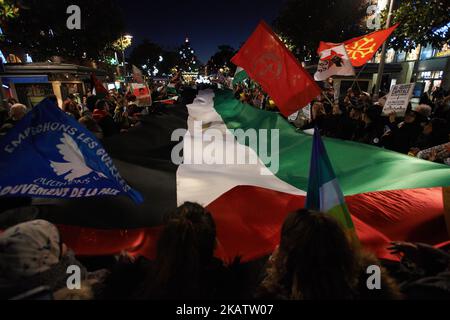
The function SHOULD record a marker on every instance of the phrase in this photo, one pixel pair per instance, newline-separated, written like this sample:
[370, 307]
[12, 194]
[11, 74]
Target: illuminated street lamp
[125, 42]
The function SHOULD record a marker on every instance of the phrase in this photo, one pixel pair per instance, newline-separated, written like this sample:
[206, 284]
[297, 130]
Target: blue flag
[324, 191]
[48, 154]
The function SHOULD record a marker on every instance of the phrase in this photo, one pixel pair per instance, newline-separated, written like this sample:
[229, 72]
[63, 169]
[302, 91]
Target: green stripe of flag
[359, 168]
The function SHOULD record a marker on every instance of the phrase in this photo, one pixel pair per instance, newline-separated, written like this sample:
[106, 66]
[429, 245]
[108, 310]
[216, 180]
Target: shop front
[31, 83]
[431, 73]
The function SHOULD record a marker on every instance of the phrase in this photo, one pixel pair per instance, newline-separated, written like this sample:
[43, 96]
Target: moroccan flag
[333, 61]
[361, 49]
[390, 196]
[267, 61]
[98, 86]
[239, 76]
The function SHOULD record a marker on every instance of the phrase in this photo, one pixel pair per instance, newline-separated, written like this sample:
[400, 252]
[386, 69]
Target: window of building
[400, 56]
[413, 54]
[390, 56]
[426, 53]
[430, 79]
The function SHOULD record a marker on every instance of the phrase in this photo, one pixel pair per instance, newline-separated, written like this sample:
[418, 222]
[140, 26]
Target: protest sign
[142, 93]
[398, 99]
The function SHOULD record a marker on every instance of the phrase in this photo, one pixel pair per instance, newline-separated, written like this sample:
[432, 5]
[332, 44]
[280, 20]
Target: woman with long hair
[317, 260]
[185, 267]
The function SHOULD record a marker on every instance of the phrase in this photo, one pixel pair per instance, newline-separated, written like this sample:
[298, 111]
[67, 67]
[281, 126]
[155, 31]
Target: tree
[8, 10]
[222, 59]
[421, 22]
[171, 59]
[304, 23]
[146, 55]
[41, 29]
[188, 60]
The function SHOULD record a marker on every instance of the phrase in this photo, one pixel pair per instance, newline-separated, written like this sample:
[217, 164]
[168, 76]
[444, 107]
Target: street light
[125, 41]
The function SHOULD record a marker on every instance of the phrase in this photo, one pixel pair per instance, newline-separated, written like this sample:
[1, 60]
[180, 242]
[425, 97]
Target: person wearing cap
[32, 255]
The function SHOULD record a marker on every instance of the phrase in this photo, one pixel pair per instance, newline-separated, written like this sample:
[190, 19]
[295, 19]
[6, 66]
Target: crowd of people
[103, 114]
[316, 258]
[423, 132]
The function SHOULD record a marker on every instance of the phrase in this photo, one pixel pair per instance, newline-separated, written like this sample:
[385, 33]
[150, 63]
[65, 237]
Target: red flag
[361, 49]
[267, 60]
[98, 86]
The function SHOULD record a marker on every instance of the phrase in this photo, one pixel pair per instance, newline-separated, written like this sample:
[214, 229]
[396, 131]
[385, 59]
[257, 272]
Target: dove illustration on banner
[75, 167]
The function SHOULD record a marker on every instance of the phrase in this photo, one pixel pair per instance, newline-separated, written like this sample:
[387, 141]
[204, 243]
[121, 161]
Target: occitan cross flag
[361, 49]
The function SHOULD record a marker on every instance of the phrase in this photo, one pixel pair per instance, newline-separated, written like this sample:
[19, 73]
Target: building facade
[30, 83]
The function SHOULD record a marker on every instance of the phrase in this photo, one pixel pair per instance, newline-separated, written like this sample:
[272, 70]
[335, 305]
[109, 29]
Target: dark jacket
[106, 123]
[428, 274]
[402, 139]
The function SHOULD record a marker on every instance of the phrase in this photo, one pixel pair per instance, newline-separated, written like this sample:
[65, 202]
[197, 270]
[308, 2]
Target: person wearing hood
[33, 255]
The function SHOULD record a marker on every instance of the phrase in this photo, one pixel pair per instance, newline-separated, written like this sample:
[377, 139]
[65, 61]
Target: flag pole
[383, 54]
[446, 194]
[326, 97]
[357, 77]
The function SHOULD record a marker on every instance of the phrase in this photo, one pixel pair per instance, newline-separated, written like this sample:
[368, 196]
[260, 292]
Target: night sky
[208, 24]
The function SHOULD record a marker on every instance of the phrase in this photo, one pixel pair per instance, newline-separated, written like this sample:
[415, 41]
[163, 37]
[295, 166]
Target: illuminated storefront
[30, 83]
[425, 65]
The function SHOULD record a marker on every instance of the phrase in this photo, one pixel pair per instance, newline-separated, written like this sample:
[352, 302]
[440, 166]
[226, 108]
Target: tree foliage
[146, 53]
[421, 22]
[171, 60]
[8, 10]
[222, 58]
[41, 28]
[307, 22]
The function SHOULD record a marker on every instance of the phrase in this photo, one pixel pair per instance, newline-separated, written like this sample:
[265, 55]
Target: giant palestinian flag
[390, 196]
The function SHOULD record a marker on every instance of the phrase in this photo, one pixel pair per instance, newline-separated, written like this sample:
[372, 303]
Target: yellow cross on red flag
[361, 49]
